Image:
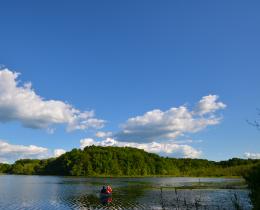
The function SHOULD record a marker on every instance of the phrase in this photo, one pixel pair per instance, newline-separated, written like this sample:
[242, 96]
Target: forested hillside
[126, 161]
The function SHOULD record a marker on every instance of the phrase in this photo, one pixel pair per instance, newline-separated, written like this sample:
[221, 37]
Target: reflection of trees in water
[83, 201]
[122, 198]
[142, 197]
[199, 200]
[127, 197]
[131, 192]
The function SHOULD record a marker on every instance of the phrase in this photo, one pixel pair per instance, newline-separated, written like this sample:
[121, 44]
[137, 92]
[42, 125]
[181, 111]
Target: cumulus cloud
[157, 125]
[166, 149]
[209, 104]
[102, 134]
[12, 152]
[252, 155]
[59, 152]
[19, 102]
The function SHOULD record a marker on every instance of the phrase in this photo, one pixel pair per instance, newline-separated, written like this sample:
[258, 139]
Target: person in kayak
[106, 190]
[109, 189]
[103, 190]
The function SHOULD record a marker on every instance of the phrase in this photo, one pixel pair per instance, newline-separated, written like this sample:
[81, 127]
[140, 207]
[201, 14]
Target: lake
[53, 192]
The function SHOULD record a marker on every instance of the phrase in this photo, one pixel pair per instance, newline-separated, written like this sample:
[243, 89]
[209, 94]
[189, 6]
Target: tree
[253, 176]
[4, 168]
[118, 161]
[253, 181]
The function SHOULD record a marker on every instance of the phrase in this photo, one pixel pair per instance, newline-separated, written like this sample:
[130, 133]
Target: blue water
[52, 192]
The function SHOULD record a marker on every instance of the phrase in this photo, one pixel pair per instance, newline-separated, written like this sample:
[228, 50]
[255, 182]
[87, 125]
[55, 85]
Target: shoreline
[146, 176]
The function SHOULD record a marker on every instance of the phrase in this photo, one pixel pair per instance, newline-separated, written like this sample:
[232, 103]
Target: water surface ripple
[53, 192]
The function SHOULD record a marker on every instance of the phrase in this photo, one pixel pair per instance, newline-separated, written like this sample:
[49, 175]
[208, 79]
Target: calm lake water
[51, 192]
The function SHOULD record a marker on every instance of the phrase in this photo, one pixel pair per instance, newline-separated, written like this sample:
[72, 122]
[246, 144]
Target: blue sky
[124, 59]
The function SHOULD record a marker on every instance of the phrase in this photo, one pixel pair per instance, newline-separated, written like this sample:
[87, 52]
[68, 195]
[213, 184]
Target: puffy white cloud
[157, 125]
[6, 148]
[21, 103]
[59, 152]
[102, 134]
[209, 104]
[252, 155]
[12, 152]
[87, 142]
[168, 149]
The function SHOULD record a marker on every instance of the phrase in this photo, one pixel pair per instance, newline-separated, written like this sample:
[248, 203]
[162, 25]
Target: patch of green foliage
[4, 168]
[126, 161]
[253, 180]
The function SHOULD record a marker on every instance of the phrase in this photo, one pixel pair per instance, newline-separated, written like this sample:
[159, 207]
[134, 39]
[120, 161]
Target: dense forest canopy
[126, 161]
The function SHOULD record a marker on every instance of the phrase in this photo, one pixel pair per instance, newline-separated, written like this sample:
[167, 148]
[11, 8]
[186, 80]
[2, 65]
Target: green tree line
[126, 161]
